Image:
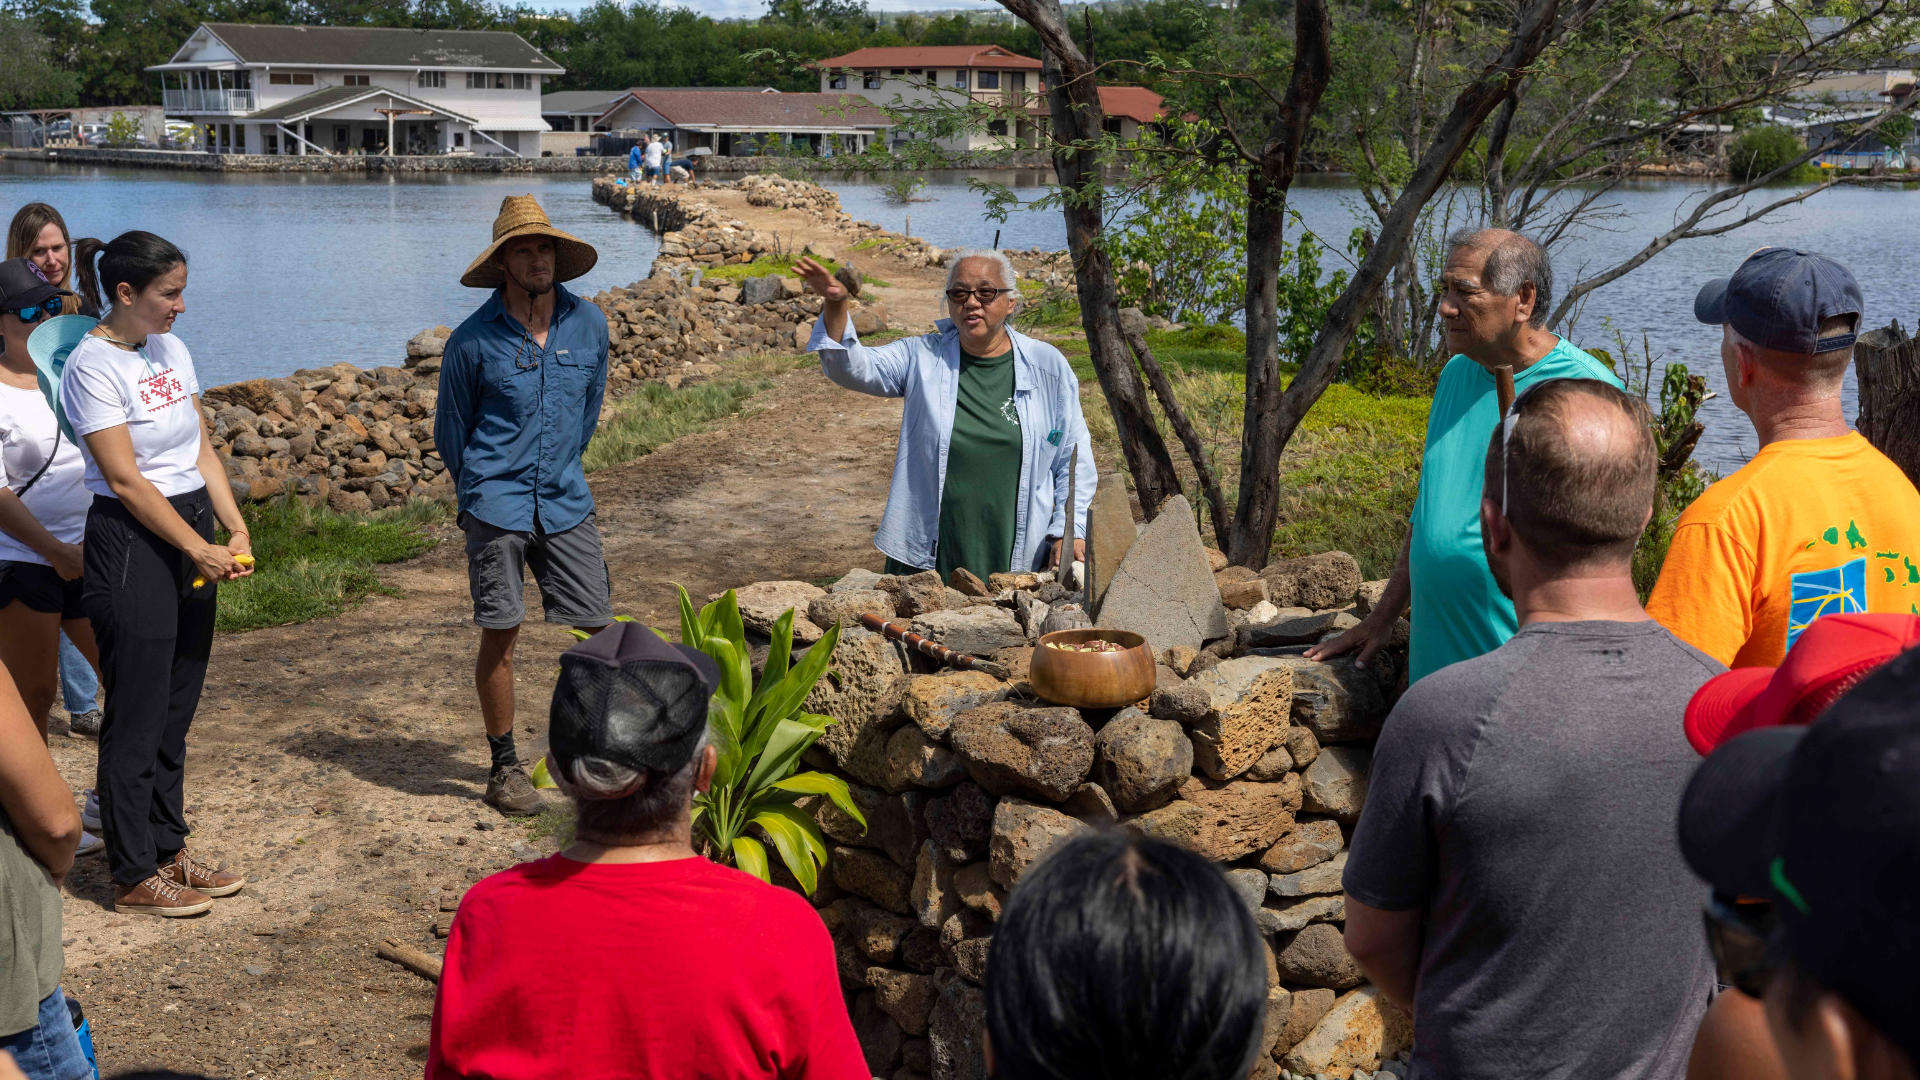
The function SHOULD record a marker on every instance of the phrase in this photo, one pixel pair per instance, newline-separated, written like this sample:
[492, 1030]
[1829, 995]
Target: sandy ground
[340, 763]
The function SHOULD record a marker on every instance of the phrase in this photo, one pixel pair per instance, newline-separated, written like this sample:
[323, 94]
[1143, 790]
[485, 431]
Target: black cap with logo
[1824, 821]
[1778, 298]
[21, 286]
[627, 696]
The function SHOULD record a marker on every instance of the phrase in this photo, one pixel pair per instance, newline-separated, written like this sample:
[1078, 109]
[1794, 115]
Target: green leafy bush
[1758, 151]
[1182, 255]
[760, 731]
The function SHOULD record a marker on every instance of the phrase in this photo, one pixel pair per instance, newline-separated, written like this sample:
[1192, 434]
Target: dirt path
[340, 763]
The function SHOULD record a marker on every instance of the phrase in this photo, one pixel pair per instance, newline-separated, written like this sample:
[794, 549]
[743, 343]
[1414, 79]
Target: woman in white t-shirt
[151, 566]
[43, 508]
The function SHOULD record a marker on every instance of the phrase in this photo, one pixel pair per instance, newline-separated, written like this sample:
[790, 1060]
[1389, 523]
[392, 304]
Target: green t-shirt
[1458, 611]
[979, 503]
[30, 952]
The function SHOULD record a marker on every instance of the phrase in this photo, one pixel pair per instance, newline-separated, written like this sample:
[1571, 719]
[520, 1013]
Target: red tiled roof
[933, 56]
[730, 108]
[1133, 102]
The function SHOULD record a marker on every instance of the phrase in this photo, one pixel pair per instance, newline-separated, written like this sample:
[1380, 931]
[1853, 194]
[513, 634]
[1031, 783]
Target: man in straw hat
[520, 390]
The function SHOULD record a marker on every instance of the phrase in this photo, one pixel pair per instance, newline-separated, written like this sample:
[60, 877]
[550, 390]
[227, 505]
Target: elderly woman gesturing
[991, 422]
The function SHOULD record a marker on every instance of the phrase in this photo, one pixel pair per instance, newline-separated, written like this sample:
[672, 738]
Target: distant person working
[1498, 291]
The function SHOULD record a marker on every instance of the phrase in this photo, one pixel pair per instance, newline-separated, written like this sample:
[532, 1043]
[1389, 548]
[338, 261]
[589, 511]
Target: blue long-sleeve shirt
[636, 156]
[514, 416]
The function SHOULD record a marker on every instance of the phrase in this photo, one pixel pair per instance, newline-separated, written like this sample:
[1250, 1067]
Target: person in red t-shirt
[627, 955]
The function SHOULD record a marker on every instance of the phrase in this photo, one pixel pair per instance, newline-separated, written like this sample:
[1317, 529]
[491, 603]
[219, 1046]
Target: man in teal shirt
[1498, 289]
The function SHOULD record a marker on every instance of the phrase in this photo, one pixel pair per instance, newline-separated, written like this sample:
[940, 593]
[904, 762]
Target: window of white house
[899, 71]
[988, 80]
[459, 138]
[432, 80]
[837, 82]
[289, 78]
[522, 81]
[356, 80]
[960, 79]
[870, 81]
[497, 80]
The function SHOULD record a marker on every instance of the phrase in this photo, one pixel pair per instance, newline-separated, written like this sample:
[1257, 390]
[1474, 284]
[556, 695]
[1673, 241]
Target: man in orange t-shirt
[1819, 522]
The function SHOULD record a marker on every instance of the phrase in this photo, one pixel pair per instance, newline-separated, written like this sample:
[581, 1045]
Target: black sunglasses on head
[32, 312]
[1742, 935]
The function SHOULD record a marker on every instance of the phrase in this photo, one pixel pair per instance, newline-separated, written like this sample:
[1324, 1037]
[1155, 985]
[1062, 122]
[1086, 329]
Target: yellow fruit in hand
[243, 560]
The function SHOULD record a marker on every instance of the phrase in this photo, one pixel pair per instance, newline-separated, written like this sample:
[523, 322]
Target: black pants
[156, 633]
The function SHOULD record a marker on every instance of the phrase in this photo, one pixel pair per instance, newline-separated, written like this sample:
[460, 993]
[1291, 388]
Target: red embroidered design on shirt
[161, 390]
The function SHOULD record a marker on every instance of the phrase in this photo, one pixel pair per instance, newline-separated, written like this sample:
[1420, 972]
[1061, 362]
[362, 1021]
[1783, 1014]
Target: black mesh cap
[627, 696]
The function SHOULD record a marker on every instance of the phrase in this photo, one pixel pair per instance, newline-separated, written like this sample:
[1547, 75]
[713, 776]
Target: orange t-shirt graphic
[1809, 527]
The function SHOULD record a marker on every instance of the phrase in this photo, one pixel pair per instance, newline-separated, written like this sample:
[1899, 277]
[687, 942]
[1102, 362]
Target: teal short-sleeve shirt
[1458, 611]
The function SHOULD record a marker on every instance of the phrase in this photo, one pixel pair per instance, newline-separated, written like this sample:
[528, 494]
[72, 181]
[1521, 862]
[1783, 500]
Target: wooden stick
[427, 967]
[1065, 568]
[928, 647]
[1503, 388]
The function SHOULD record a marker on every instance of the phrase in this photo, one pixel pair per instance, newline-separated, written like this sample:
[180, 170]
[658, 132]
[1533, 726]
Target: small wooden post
[1503, 388]
[996, 239]
[1066, 543]
[909, 229]
[1888, 364]
[656, 223]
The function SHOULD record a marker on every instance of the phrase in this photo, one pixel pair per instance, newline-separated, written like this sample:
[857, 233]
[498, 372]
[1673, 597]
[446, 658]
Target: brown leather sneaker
[198, 876]
[511, 792]
[159, 896]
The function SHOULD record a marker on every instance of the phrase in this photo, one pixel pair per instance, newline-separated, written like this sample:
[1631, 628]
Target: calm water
[305, 270]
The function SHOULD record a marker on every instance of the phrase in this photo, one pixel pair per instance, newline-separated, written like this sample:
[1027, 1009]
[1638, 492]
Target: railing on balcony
[208, 101]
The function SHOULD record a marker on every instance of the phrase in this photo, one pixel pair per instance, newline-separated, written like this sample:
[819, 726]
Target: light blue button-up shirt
[514, 416]
[925, 370]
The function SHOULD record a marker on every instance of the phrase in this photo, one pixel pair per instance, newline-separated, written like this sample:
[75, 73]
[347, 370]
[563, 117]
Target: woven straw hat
[520, 215]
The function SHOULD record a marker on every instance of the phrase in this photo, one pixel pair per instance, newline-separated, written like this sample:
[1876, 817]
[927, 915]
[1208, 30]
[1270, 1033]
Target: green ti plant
[760, 730]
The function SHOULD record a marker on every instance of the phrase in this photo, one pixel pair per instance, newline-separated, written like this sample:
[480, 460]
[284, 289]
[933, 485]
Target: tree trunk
[1073, 100]
[1267, 183]
[1889, 365]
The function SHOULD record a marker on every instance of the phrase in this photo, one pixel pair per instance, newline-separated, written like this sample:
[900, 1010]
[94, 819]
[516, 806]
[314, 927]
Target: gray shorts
[575, 589]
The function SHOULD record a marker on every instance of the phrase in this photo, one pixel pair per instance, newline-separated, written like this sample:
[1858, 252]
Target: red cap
[1829, 657]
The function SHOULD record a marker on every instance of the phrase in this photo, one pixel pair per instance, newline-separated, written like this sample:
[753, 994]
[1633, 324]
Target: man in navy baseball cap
[1810, 838]
[1819, 522]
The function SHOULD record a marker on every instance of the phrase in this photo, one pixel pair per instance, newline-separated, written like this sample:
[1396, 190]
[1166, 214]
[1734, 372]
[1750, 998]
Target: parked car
[93, 134]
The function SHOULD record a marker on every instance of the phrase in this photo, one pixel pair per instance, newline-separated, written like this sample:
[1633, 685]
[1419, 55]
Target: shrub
[1758, 151]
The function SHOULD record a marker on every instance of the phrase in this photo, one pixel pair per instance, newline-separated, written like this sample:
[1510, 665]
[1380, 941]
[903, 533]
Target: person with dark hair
[39, 832]
[1819, 522]
[150, 564]
[1520, 898]
[1806, 824]
[1120, 955]
[43, 509]
[628, 954]
[520, 390]
[1498, 290]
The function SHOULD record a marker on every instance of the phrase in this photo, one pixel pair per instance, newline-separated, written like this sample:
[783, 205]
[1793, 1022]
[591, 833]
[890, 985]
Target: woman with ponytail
[151, 567]
[39, 235]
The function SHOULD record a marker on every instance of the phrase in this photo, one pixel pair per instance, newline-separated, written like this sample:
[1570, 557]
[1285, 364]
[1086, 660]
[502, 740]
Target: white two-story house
[915, 75]
[255, 89]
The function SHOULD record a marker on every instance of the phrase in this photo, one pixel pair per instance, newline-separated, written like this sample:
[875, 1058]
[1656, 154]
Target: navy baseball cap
[628, 696]
[1824, 821]
[1778, 298]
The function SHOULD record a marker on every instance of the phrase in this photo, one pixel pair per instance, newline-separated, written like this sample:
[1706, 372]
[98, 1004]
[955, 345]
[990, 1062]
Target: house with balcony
[909, 77]
[925, 76]
[260, 89]
[735, 123]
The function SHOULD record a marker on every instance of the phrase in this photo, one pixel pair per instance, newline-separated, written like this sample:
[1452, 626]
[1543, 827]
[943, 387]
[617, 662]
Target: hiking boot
[511, 792]
[159, 896]
[198, 876]
[86, 724]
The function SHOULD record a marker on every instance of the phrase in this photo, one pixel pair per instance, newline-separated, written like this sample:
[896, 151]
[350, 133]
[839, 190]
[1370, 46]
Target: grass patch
[654, 414]
[763, 265]
[555, 821]
[315, 562]
[1347, 478]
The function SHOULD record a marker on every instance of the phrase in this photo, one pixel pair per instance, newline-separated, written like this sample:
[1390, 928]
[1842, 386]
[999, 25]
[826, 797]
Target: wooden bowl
[1093, 680]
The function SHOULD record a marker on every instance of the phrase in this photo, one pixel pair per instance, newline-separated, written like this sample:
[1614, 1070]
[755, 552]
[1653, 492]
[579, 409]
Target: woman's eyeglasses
[987, 296]
[33, 312]
[1741, 934]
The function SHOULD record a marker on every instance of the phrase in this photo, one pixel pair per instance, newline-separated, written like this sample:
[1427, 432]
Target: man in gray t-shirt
[1514, 879]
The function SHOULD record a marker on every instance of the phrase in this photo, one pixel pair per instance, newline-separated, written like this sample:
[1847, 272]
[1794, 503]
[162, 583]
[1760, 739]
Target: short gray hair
[1512, 261]
[614, 800]
[1009, 279]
